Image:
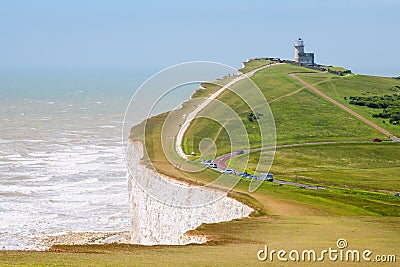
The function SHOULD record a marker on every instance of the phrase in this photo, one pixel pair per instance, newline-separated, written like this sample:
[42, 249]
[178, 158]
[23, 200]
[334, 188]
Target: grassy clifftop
[300, 115]
[357, 203]
[360, 178]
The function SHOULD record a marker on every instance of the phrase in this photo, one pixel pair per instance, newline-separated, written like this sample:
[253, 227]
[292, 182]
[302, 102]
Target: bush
[372, 105]
[251, 117]
[389, 103]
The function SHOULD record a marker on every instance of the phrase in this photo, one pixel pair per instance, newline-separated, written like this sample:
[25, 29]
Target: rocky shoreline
[86, 238]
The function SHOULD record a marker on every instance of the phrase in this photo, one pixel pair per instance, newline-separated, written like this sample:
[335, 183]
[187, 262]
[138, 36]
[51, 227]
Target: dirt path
[192, 115]
[315, 90]
[282, 207]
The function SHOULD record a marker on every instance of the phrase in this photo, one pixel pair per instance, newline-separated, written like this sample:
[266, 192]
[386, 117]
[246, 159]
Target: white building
[300, 56]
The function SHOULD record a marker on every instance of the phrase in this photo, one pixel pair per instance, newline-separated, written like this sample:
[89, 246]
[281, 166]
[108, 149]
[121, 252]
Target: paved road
[223, 159]
[385, 132]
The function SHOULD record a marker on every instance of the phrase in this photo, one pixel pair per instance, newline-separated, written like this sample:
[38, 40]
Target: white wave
[30, 189]
[14, 189]
[41, 179]
[66, 175]
[3, 141]
[32, 140]
[13, 157]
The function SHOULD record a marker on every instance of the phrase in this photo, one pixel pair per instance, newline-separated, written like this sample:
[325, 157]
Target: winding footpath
[190, 117]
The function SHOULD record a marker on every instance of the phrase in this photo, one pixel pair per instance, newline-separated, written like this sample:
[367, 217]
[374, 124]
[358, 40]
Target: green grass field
[300, 116]
[254, 64]
[367, 166]
[357, 203]
[335, 68]
[359, 85]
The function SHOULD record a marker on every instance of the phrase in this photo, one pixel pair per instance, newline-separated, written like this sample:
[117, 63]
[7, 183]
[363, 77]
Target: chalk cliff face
[156, 222]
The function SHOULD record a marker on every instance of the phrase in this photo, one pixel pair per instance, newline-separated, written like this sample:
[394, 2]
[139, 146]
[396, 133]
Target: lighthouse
[300, 56]
[298, 49]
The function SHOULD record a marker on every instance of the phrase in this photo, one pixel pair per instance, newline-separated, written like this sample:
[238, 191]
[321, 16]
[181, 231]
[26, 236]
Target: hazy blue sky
[359, 34]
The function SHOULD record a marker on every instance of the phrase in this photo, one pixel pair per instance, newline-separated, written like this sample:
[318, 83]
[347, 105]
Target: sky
[361, 35]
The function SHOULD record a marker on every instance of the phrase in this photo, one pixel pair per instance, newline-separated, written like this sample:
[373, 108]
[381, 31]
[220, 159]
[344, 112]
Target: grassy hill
[300, 116]
[359, 178]
[358, 85]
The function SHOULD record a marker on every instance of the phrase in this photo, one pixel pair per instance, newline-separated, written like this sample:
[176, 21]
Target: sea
[62, 147]
[62, 162]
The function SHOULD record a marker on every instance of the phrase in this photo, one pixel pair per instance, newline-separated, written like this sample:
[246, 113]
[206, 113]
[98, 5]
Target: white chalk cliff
[155, 222]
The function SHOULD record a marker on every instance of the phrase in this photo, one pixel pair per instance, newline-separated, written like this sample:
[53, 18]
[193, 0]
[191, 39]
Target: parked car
[267, 177]
[397, 195]
[213, 165]
[206, 162]
[229, 171]
[376, 140]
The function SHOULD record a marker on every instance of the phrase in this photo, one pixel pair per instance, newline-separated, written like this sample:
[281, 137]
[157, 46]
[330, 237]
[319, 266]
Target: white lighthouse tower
[298, 49]
[300, 56]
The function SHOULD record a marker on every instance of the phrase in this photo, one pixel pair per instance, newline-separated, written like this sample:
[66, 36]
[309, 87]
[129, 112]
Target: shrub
[389, 103]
